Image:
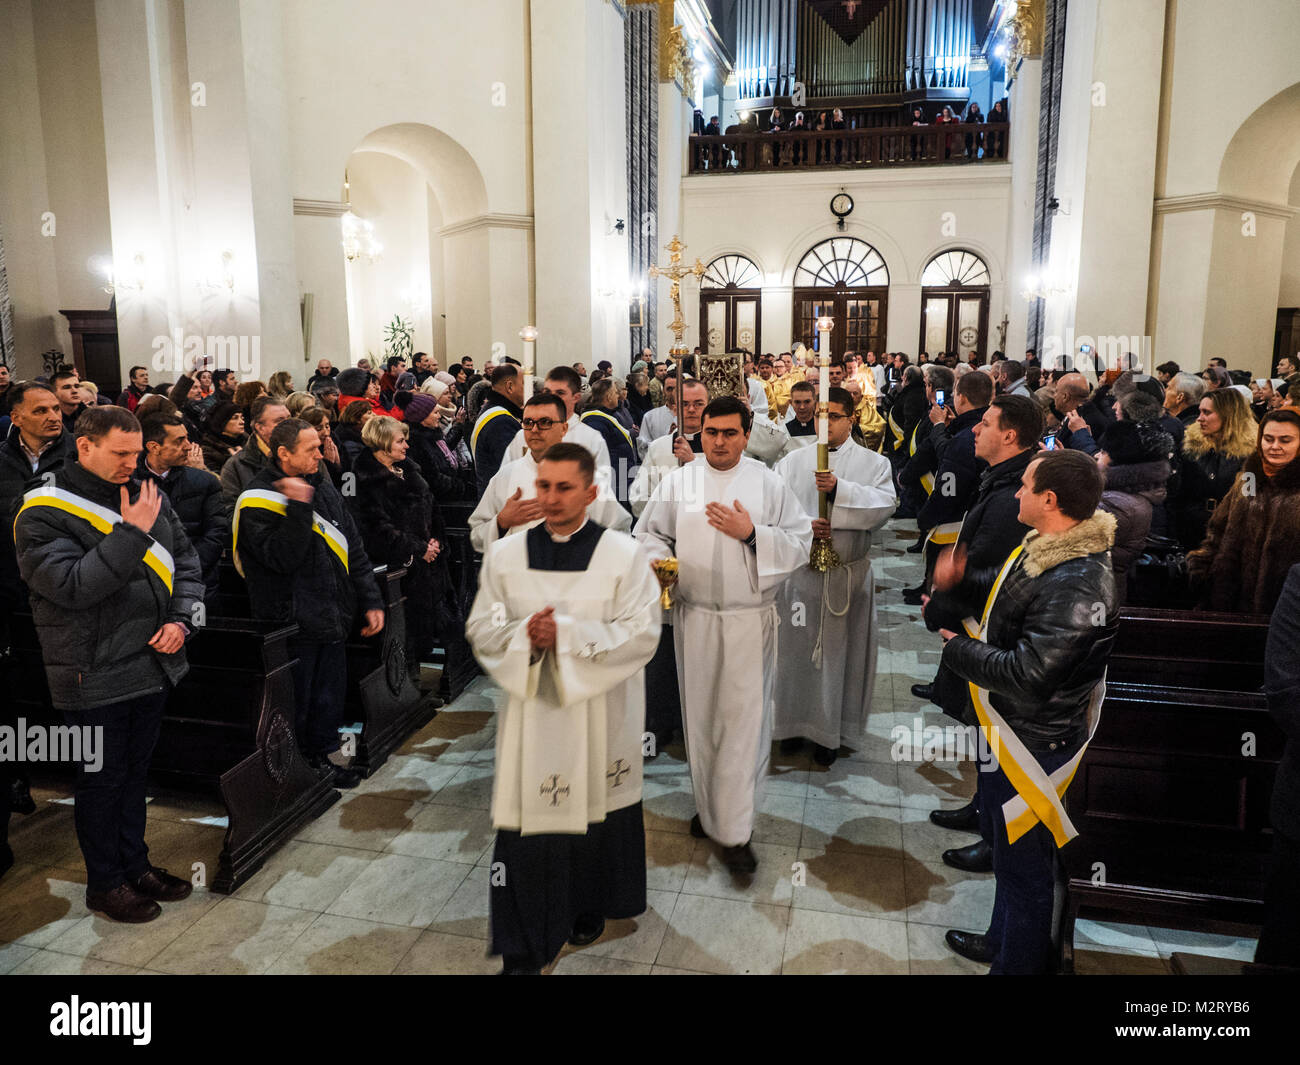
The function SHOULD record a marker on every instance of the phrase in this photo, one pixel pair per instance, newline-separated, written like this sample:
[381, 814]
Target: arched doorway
[955, 305]
[731, 303]
[847, 279]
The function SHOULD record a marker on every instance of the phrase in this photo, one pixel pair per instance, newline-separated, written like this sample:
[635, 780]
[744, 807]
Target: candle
[528, 334]
[823, 378]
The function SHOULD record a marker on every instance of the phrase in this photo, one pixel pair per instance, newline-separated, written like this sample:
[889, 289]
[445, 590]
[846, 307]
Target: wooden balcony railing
[732, 153]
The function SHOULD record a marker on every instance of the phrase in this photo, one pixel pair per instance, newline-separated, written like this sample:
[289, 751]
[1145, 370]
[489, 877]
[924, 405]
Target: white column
[1023, 103]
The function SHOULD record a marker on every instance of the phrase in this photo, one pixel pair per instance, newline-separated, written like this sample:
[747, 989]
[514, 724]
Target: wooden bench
[1171, 800]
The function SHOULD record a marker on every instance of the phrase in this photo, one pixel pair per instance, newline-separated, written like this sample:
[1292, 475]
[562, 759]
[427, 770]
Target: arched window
[955, 305]
[730, 302]
[731, 271]
[846, 278]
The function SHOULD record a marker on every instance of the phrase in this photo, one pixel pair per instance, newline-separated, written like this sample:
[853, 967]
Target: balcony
[850, 149]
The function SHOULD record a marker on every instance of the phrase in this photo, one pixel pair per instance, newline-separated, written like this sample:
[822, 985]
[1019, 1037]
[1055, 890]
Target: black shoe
[916, 548]
[123, 904]
[792, 746]
[161, 886]
[965, 819]
[970, 945]
[825, 755]
[587, 929]
[740, 859]
[977, 858]
[20, 797]
[912, 596]
[338, 776]
[924, 691]
[697, 828]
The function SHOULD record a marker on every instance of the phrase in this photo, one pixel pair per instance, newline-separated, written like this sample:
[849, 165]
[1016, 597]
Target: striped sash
[262, 499]
[482, 421]
[612, 421]
[156, 557]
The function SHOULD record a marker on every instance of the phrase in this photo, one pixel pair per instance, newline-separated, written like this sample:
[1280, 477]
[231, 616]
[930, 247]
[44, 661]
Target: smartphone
[1049, 442]
[939, 396]
[1085, 349]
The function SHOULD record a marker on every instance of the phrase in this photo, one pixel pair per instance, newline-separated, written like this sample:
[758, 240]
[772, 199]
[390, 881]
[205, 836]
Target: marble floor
[393, 878]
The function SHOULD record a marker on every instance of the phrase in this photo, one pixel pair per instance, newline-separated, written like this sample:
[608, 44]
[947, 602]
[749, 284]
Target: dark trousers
[1279, 939]
[110, 801]
[1021, 928]
[320, 680]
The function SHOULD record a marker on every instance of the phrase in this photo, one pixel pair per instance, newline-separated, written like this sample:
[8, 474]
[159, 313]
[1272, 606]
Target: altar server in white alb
[738, 532]
[566, 617]
[827, 670]
[564, 382]
[510, 503]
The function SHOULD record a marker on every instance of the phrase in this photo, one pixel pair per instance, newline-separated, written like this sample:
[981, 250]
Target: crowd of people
[1030, 489]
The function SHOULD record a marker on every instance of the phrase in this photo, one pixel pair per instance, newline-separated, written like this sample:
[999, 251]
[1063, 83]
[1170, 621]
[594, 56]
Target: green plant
[399, 339]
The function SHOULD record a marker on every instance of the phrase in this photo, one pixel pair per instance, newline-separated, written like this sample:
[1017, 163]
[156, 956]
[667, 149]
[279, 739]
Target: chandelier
[359, 239]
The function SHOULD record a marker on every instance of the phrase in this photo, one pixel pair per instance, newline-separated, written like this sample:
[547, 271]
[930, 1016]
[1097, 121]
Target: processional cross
[675, 272]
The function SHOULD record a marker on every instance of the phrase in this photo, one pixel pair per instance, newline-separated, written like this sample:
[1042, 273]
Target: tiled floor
[393, 878]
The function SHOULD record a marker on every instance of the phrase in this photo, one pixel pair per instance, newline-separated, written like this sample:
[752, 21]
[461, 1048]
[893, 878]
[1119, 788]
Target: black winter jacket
[1049, 634]
[956, 479]
[240, 470]
[1134, 492]
[908, 408]
[96, 603]
[16, 476]
[447, 482]
[396, 514]
[195, 496]
[292, 575]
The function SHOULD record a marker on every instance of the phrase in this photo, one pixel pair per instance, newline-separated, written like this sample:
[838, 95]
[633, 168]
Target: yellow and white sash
[897, 430]
[264, 499]
[156, 557]
[612, 421]
[945, 533]
[483, 419]
[927, 479]
[1038, 794]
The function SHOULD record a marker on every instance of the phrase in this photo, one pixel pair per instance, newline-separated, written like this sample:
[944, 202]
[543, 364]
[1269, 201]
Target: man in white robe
[510, 504]
[565, 618]
[737, 532]
[673, 450]
[827, 670]
[564, 382]
[659, 421]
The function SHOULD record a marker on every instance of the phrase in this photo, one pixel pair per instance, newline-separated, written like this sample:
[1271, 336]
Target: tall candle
[528, 334]
[823, 379]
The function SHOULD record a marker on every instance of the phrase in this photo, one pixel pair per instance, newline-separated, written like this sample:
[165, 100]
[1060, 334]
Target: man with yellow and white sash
[827, 669]
[303, 560]
[113, 583]
[566, 616]
[1035, 663]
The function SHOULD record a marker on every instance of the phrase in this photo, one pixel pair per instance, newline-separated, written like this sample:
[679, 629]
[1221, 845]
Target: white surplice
[725, 627]
[569, 743]
[576, 433]
[522, 473]
[828, 651]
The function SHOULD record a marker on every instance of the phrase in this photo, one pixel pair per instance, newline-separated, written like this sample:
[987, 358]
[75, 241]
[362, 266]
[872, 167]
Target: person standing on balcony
[974, 141]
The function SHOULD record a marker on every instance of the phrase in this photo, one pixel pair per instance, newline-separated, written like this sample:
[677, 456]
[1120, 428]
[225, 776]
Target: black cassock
[551, 880]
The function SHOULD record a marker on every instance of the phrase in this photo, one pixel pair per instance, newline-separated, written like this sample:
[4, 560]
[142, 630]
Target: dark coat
[16, 476]
[622, 451]
[1204, 474]
[908, 409]
[240, 470]
[492, 438]
[1133, 494]
[216, 450]
[292, 575]
[1282, 686]
[195, 496]
[956, 479]
[448, 482]
[1045, 649]
[96, 604]
[1252, 541]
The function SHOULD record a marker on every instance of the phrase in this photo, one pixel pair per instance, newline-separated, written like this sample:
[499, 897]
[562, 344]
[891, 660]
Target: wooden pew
[459, 666]
[227, 728]
[1171, 799]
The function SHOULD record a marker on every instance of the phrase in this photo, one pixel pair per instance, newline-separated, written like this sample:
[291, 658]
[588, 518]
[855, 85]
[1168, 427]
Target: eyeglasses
[837, 417]
[538, 423]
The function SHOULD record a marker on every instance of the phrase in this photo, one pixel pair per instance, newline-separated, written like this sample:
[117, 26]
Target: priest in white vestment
[827, 671]
[659, 421]
[566, 617]
[564, 382]
[737, 532]
[510, 504]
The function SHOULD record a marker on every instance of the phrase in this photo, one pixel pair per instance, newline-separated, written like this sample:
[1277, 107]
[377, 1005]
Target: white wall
[908, 214]
[1288, 292]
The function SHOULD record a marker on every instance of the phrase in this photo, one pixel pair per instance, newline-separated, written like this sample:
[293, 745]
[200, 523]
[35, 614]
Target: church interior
[269, 185]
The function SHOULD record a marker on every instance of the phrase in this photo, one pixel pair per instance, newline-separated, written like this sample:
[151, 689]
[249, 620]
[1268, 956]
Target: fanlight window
[731, 271]
[951, 268]
[841, 261]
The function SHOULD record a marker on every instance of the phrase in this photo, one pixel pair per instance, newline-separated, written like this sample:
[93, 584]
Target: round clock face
[841, 204]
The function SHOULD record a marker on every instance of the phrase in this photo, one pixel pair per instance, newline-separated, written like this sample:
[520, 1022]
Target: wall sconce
[225, 279]
[1040, 287]
[116, 280]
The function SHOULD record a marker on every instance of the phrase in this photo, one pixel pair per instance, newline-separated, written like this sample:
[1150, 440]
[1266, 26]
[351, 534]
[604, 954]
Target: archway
[955, 304]
[847, 279]
[731, 304]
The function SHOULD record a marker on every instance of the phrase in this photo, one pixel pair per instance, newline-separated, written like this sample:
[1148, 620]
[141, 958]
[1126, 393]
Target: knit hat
[444, 377]
[639, 366]
[1128, 442]
[419, 407]
[354, 382]
[406, 382]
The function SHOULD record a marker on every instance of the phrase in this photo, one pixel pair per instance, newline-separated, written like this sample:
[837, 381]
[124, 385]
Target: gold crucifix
[675, 272]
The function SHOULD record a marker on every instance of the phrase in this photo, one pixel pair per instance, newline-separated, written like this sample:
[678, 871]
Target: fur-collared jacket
[1252, 541]
[1049, 633]
[1205, 474]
